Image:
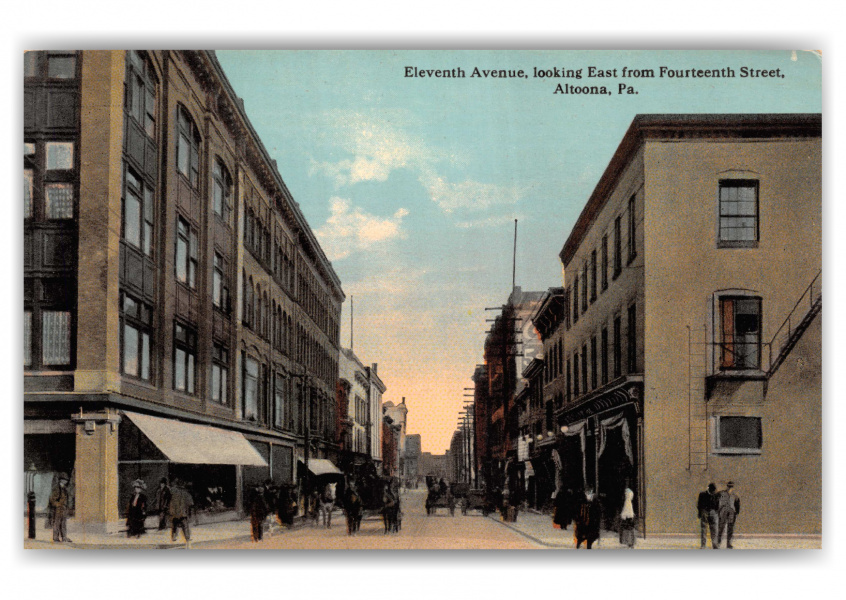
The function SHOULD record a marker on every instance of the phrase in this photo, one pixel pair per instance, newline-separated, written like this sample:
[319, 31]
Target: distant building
[411, 459]
[398, 415]
[435, 465]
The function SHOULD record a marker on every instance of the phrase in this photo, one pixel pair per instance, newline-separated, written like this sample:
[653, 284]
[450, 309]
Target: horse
[327, 503]
[352, 509]
[391, 508]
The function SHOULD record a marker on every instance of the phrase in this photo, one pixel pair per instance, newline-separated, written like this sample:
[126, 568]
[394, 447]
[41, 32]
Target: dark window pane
[740, 432]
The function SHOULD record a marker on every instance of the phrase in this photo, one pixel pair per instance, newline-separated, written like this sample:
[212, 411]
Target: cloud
[378, 146]
[349, 229]
[468, 195]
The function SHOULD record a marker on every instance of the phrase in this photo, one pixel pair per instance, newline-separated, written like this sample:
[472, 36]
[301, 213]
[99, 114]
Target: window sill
[737, 451]
[737, 244]
[739, 374]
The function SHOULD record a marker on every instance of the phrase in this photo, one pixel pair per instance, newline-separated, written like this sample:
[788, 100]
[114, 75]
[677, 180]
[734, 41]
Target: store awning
[322, 466]
[197, 444]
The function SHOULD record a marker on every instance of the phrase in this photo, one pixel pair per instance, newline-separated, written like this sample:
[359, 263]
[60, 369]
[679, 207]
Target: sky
[412, 184]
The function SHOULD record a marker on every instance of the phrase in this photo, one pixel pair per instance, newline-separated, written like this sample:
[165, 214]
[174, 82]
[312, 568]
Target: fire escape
[779, 347]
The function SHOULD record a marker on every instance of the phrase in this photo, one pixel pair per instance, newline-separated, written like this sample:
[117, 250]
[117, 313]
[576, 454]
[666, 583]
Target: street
[419, 532]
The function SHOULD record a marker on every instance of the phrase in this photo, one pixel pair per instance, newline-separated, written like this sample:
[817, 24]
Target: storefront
[206, 459]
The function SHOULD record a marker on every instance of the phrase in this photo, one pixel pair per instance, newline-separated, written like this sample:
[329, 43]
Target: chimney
[374, 367]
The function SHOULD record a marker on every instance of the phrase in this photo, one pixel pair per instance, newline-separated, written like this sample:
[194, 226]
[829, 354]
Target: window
[187, 147]
[186, 253]
[279, 401]
[618, 350]
[594, 367]
[48, 323]
[220, 374]
[738, 435]
[618, 248]
[604, 262]
[136, 328]
[222, 191]
[585, 387]
[584, 288]
[593, 276]
[220, 284]
[740, 346]
[141, 92]
[49, 186]
[27, 338]
[738, 213]
[575, 299]
[250, 395]
[138, 213]
[603, 349]
[631, 339]
[184, 358]
[50, 65]
[567, 382]
[632, 229]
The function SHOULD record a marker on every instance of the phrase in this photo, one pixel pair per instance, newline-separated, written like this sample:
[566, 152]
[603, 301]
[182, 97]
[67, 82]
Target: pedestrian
[162, 501]
[136, 512]
[258, 512]
[285, 505]
[729, 508]
[706, 508]
[59, 505]
[627, 523]
[588, 520]
[179, 510]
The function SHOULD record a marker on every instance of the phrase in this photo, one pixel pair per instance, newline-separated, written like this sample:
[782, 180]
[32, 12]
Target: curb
[528, 535]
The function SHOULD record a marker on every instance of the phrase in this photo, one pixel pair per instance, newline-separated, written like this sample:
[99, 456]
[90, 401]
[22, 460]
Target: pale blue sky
[412, 185]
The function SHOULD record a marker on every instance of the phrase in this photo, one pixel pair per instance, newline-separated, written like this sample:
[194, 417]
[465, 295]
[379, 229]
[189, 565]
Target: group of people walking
[584, 510]
[717, 513]
[171, 502]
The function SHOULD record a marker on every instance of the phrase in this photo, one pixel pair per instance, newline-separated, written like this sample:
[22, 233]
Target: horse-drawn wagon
[440, 496]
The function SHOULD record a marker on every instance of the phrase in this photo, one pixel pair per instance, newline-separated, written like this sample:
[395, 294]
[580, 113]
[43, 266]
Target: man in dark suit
[706, 508]
[729, 508]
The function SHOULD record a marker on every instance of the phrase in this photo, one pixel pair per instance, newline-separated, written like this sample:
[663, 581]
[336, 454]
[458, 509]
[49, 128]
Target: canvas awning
[197, 444]
[322, 466]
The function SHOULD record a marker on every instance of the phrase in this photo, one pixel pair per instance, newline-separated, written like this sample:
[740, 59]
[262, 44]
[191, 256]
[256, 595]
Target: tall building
[691, 323]
[181, 319]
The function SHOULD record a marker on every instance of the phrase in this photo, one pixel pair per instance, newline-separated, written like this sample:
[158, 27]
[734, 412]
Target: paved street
[419, 532]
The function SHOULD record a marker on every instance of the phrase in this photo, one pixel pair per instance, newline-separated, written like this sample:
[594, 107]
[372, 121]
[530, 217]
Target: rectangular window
[279, 408]
[137, 320]
[186, 253]
[27, 338]
[632, 229]
[576, 299]
[593, 276]
[222, 190]
[28, 189]
[631, 339]
[220, 287]
[618, 349]
[184, 358]
[584, 288]
[594, 367]
[738, 213]
[56, 337]
[59, 197]
[603, 349]
[567, 309]
[567, 384]
[740, 346]
[138, 212]
[251, 377]
[585, 369]
[59, 156]
[618, 248]
[61, 66]
[220, 374]
[604, 267]
[738, 434]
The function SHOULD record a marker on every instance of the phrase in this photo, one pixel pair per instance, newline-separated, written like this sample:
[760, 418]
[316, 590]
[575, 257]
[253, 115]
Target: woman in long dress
[627, 524]
[136, 513]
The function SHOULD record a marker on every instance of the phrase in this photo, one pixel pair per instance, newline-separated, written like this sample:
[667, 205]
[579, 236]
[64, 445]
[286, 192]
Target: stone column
[96, 471]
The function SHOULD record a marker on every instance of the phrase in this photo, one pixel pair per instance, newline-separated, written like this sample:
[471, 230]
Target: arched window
[141, 85]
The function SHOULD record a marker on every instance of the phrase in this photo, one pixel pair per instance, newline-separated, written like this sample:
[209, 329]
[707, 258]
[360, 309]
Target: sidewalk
[201, 535]
[538, 528]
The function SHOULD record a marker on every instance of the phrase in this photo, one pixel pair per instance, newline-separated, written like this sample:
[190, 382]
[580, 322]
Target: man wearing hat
[729, 504]
[706, 507]
[60, 503]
